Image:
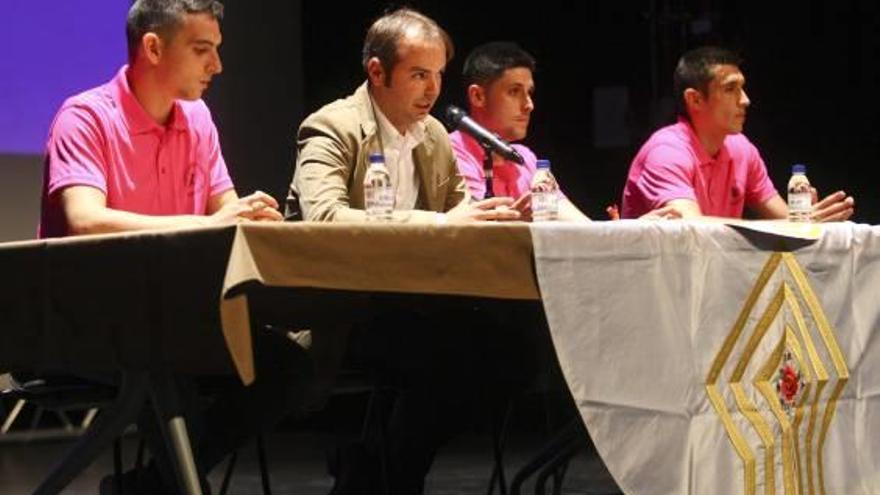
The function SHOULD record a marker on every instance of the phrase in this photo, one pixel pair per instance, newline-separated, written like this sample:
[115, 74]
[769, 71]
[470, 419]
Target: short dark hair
[163, 17]
[486, 63]
[694, 70]
[385, 33]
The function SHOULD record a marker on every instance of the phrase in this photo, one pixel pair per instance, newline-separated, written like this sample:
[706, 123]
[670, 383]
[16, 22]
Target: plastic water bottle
[378, 191]
[545, 194]
[800, 198]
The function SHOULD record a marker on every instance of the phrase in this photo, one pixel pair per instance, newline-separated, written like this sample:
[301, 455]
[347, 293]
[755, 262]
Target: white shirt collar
[398, 150]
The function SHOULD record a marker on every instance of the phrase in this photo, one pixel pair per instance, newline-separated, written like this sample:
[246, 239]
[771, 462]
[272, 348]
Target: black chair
[61, 394]
[127, 401]
[567, 437]
[546, 389]
[56, 394]
[263, 462]
[552, 460]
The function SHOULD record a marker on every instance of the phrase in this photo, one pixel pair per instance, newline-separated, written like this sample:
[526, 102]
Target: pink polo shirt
[672, 164]
[508, 178]
[103, 138]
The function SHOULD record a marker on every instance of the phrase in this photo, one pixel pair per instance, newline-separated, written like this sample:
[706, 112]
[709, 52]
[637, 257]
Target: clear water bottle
[800, 198]
[378, 191]
[545, 194]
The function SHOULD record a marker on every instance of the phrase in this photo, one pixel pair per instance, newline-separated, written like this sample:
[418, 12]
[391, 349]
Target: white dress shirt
[398, 150]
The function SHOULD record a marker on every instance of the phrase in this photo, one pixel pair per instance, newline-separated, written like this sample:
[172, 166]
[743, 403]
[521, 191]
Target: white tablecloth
[706, 360]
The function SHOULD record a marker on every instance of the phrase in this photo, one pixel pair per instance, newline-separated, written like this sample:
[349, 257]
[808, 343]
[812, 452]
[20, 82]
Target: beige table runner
[487, 260]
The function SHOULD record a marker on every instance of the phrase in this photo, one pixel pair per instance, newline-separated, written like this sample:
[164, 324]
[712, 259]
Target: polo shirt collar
[136, 118]
[697, 146]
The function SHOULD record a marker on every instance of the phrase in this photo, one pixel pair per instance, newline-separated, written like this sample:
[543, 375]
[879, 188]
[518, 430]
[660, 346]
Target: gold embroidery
[833, 349]
[745, 405]
[736, 437]
[783, 319]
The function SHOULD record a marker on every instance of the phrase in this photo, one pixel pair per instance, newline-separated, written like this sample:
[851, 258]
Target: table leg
[168, 407]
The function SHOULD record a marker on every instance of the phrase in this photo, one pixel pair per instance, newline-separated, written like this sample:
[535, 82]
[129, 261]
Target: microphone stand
[487, 169]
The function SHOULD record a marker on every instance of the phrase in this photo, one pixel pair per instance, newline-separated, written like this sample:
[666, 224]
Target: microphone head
[516, 157]
[454, 115]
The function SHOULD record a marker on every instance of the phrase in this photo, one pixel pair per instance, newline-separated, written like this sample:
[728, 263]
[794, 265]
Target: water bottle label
[544, 206]
[800, 201]
[385, 198]
[379, 202]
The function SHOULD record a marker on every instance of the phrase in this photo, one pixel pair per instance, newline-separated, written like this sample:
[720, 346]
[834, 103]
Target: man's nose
[216, 66]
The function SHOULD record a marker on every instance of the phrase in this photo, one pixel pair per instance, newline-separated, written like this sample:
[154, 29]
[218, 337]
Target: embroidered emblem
[789, 383]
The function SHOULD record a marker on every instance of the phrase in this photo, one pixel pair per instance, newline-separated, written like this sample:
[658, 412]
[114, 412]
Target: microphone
[458, 119]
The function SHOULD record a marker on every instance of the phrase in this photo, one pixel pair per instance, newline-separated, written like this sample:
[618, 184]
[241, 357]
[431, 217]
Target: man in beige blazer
[404, 57]
[432, 349]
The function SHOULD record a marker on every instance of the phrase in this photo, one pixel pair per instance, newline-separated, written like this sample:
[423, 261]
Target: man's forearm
[108, 220]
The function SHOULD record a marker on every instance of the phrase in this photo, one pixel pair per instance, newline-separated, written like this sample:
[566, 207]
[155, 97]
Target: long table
[148, 304]
[673, 336]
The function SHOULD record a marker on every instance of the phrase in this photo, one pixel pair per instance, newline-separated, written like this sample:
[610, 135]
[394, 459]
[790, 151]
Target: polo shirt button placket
[160, 168]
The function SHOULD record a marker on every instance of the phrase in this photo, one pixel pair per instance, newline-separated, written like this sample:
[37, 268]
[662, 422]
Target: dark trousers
[449, 361]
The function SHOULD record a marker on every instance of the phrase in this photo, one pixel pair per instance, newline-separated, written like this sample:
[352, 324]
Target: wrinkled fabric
[640, 312]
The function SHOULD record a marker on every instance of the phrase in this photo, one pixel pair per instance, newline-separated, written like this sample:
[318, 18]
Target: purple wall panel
[53, 50]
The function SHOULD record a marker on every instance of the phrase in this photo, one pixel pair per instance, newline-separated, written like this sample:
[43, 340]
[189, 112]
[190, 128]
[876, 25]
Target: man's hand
[613, 212]
[498, 209]
[523, 205]
[258, 206]
[836, 207]
[668, 212]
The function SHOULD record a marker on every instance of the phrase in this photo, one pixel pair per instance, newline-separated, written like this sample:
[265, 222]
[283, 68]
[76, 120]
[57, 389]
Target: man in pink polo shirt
[498, 78]
[703, 164]
[142, 152]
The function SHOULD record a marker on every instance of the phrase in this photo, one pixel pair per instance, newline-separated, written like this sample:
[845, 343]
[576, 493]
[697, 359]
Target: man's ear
[693, 98]
[375, 72]
[152, 47]
[476, 95]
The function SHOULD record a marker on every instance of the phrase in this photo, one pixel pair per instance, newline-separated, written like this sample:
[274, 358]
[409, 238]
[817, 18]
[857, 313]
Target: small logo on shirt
[193, 182]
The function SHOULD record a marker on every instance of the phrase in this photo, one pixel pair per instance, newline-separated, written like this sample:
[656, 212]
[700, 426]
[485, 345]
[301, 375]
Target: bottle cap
[799, 169]
[377, 158]
[542, 163]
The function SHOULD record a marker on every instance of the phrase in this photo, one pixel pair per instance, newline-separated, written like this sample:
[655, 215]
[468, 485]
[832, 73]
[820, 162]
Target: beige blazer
[333, 147]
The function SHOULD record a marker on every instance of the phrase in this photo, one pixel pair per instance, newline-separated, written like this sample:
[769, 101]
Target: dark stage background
[813, 71]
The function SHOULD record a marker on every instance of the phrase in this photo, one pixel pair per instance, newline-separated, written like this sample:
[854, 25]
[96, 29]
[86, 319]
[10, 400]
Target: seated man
[703, 164]
[500, 88]
[434, 357]
[142, 152]
[404, 57]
